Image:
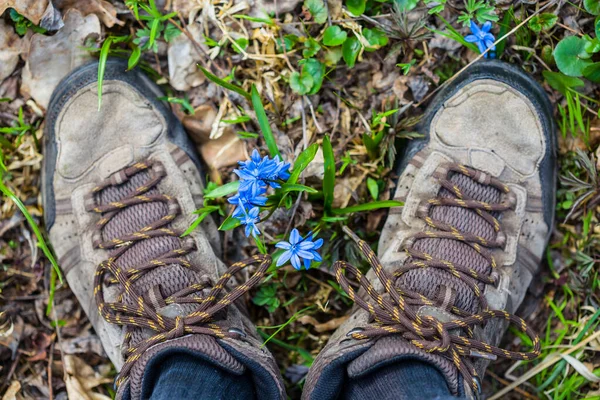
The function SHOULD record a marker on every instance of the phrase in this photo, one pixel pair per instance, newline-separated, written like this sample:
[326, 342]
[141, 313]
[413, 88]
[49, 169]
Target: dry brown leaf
[40, 12]
[184, 73]
[330, 325]
[80, 379]
[101, 8]
[11, 392]
[198, 125]
[11, 47]
[52, 57]
[227, 150]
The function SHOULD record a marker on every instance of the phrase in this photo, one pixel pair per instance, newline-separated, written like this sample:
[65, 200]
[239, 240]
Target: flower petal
[317, 257]
[296, 262]
[487, 26]
[294, 236]
[471, 38]
[306, 245]
[474, 28]
[283, 245]
[305, 254]
[481, 46]
[307, 263]
[318, 243]
[284, 257]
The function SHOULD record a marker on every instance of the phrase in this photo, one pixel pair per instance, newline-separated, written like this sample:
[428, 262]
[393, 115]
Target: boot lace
[395, 310]
[203, 320]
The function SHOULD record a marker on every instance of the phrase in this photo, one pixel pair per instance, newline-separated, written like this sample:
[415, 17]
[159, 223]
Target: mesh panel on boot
[428, 281]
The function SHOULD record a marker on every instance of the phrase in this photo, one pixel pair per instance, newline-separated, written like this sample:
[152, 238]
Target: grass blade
[374, 205]
[41, 241]
[263, 122]
[302, 162]
[329, 176]
[102, 67]
[226, 85]
[223, 190]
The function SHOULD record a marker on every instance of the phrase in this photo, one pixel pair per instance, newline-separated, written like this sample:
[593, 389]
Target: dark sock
[408, 379]
[183, 376]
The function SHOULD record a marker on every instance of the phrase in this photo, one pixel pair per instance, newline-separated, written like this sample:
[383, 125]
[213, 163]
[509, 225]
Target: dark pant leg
[183, 376]
[409, 379]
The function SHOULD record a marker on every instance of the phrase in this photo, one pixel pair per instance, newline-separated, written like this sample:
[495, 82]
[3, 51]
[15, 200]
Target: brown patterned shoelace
[395, 312]
[143, 314]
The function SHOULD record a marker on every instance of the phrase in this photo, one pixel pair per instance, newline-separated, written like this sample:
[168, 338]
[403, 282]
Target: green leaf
[405, 5]
[238, 120]
[350, 50]
[230, 223]
[356, 7]
[374, 205]
[333, 55]
[571, 56]
[154, 28]
[592, 6]
[223, 190]
[373, 188]
[171, 32]
[317, 9]
[486, 13]
[592, 72]
[240, 45]
[248, 135]
[591, 45]
[334, 36]
[204, 212]
[311, 48]
[134, 58]
[226, 85]
[597, 26]
[376, 38]
[295, 187]
[302, 162]
[102, 67]
[263, 122]
[36, 231]
[262, 249]
[542, 22]
[269, 21]
[316, 70]
[561, 82]
[329, 176]
[301, 83]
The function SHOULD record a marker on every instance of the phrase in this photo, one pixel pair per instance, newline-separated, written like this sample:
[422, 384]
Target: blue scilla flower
[299, 247]
[250, 219]
[482, 38]
[259, 172]
[248, 199]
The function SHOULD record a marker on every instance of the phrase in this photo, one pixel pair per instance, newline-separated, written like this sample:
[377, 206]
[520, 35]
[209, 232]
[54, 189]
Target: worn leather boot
[455, 262]
[120, 186]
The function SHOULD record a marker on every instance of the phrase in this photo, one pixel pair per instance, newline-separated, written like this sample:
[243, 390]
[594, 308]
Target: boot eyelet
[353, 331]
[477, 382]
[237, 331]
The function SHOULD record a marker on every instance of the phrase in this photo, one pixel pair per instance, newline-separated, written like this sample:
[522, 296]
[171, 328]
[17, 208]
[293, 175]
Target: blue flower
[482, 38]
[250, 219]
[247, 199]
[259, 172]
[256, 175]
[299, 247]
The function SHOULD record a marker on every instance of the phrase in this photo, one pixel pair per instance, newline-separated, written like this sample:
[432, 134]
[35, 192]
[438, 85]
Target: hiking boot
[458, 257]
[120, 185]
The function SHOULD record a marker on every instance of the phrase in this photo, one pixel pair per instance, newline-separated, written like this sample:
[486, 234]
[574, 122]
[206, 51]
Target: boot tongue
[437, 284]
[391, 349]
